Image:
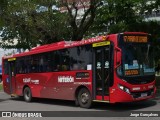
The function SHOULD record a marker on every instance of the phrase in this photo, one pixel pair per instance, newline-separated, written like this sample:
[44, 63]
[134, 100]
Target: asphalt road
[18, 104]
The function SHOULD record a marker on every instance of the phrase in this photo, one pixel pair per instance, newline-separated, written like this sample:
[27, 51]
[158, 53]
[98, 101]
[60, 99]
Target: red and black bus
[112, 68]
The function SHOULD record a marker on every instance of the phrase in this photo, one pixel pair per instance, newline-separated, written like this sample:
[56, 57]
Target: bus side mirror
[118, 57]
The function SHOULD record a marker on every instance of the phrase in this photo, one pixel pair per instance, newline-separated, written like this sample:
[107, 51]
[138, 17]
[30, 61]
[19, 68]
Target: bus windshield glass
[137, 59]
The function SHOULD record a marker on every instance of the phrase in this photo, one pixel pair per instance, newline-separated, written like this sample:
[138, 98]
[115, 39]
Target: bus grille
[140, 94]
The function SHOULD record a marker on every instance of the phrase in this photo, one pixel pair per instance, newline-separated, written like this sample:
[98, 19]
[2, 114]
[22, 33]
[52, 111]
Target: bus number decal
[131, 72]
[101, 44]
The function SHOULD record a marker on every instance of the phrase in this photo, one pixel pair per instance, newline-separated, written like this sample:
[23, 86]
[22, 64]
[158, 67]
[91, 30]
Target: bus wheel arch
[27, 93]
[83, 97]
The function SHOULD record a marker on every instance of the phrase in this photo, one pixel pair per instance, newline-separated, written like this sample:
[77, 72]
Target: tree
[32, 22]
[118, 16]
[80, 26]
[35, 22]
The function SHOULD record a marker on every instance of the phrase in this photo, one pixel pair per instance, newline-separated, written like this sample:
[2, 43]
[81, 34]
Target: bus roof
[66, 44]
[58, 46]
[139, 33]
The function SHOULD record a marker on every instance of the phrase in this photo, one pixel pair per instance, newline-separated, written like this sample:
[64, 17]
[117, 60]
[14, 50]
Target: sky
[1, 55]
[3, 52]
[6, 51]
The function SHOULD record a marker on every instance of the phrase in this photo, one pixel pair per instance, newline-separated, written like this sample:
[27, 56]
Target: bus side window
[49, 62]
[34, 64]
[75, 67]
[28, 64]
[65, 60]
[20, 65]
[80, 57]
[73, 58]
[57, 61]
[41, 64]
[6, 71]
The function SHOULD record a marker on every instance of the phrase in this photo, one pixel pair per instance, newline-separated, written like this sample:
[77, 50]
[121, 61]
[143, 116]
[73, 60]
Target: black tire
[27, 94]
[84, 98]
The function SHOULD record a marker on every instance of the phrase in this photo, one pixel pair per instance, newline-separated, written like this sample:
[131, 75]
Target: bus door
[101, 66]
[12, 75]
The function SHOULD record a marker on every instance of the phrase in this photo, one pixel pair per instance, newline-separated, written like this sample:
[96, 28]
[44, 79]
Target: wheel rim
[84, 98]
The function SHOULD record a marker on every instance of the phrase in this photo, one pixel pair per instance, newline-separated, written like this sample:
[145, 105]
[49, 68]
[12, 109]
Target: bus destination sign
[136, 39]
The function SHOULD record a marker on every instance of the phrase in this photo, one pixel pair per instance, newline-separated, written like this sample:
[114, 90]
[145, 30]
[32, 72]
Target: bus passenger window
[58, 68]
[41, 64]
[6, 71]
[64, 67]
[75, 67]
[65, 60]
[57, 61]
[33, 65]
[80, 57]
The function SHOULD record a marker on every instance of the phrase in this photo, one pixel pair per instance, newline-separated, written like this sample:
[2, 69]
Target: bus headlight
[125, 89]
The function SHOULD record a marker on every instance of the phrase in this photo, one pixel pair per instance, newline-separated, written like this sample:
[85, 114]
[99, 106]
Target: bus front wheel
[27, 94]
[84, 98]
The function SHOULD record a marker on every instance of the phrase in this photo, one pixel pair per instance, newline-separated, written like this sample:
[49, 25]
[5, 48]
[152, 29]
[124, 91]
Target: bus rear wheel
[84, 98]
[27, 94]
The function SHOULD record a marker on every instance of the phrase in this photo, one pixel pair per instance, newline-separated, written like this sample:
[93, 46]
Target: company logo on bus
[65, 79]
[29, 80]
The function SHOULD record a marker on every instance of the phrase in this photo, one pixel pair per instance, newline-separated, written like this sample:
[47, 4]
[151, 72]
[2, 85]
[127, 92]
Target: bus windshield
[137, 60]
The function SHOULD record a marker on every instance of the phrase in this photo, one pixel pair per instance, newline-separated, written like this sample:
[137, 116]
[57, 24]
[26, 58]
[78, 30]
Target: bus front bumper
[121, 96]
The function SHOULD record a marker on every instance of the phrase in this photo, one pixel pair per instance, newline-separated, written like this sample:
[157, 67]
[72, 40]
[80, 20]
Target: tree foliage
[80, 24]
[119, 15]
[32, 22]
[35, 22]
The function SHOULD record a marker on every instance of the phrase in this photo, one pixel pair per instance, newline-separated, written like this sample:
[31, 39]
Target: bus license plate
[143, 94]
